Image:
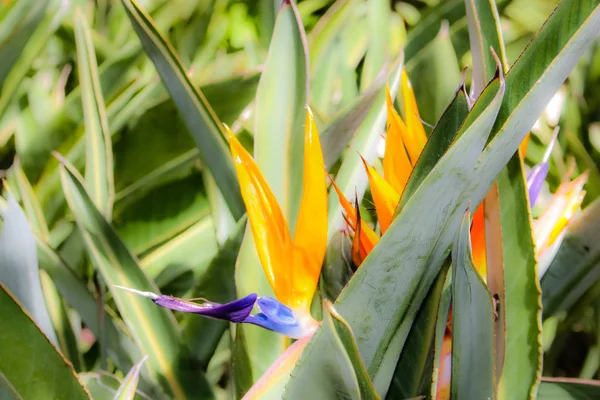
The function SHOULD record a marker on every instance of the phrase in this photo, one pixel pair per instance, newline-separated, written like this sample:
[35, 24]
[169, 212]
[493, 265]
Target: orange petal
[385, 197]
[364, 237]
[565, 202]
[523, 146]
[269, 228]
[416, 138]
[310, 238]
[478, 241]
[396, 165]
[444, 374]
[279, 371]
[364, 240]
[350, 213]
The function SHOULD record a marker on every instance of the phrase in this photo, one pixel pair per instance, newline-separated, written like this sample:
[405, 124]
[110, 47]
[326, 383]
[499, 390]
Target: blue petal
[276, 317]
[535, 181]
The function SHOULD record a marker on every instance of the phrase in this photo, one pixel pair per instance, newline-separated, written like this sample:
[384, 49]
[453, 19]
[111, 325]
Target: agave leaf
[7, 391]
[146, 223]
[201, 334]
[21, 341]
[34, 143]
[340, 372]
[339, 131]
[278, 152]
[127, 390]
[19, 266]
[23, 32]
[381, 300]
[322, 38]
[153, 328]
[576, 266]
[440, 331]
[521, 305]
[200, 118]
[435, 74]
[192, 249]
[568, 389]
[99, 160]
[378, 20]
[104, 386]
[472, 324]
[415, 368]
[33, 209]
[532, 81]
[511, 264]
[224, 221]
[77, 295]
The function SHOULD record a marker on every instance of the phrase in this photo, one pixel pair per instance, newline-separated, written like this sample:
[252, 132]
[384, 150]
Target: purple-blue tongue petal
[538, 174]
[235, 311]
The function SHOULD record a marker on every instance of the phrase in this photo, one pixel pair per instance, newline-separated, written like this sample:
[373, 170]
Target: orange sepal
[310, 238]
[269, 228]
[478, 241]
[396, 165]
[416, 138]
[364, 240]
[364, 237]
[385, 197]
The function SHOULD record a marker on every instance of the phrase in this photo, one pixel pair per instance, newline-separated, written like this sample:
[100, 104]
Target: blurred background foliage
[162, 201]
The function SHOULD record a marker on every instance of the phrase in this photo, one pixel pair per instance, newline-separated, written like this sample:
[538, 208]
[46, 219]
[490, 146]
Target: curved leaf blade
[532, 81]
[153, 328]
[472, 324]
[200, 118]
[19, 266]
[21, 342]
[98, 160]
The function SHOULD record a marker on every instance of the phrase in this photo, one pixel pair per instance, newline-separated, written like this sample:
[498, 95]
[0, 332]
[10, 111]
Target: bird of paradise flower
[292, 265]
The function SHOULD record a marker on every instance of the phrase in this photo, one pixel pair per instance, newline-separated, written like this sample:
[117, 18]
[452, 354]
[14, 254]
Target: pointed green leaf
[23, 32]
[33, 209]
[484, 33]
[472, 324]
[522, 306]
[104, 386]
[99, 159]
[19, 266]
[434, 75]
[30, 363]
[415, 368]
[339, 373]
[518, 348]
[127, 390]
[532, 81]
[200, 118]
[154, 329]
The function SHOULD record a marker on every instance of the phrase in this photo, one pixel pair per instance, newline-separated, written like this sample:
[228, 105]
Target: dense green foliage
[116, 171]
